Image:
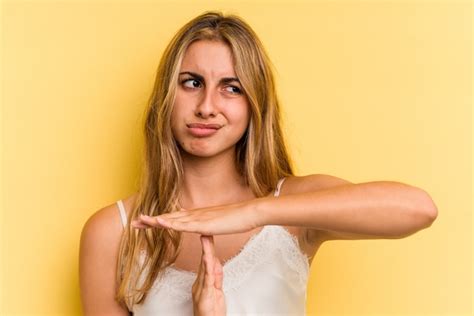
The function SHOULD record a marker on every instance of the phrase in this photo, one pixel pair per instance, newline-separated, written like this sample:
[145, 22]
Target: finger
[202, 266]
[157, 221]
[201, 273]
[184, 224]
[218, 269]
[208, 262]
[212, 249]
[149, 224]
[139, 224]
[219, 274]
[166, 216]
[177, 214]
[147, 220]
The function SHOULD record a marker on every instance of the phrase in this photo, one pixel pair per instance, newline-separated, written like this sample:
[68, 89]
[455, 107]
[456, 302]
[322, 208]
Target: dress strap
[123, 214]
[277, 190]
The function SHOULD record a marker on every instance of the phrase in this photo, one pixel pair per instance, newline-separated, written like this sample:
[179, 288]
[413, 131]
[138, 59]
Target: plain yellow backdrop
[371, 90]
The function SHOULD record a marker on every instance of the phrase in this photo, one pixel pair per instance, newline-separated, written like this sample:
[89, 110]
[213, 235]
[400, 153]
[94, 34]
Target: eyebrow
[223, 80]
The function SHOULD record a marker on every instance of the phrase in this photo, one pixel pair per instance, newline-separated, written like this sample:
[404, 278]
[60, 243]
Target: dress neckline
[261, 248]
[232, 259]
[246, 248]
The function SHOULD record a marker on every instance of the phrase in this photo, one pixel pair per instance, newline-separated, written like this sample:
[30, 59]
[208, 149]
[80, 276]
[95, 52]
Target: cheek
[241, 115]
[181, 107]
[178, 107]
[176, 117]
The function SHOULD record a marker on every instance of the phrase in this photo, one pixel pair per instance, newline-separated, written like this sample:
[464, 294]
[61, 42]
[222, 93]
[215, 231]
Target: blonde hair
[261, 154]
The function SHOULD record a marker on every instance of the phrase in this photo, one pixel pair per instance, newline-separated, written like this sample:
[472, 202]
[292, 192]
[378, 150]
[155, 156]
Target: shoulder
[98, 254]
[105, 225]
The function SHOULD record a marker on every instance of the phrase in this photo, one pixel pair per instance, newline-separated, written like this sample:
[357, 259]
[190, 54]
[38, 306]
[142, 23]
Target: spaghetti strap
[123, 214]
[277, 190]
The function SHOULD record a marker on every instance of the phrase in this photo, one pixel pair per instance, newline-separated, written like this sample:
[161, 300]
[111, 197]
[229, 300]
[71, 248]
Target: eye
[236, 90]
[192, 85]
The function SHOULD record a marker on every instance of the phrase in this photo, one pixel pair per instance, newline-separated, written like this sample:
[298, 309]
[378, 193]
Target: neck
[212, 181]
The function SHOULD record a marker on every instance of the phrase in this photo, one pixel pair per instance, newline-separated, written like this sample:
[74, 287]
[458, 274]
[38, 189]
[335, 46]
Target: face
[209, 93]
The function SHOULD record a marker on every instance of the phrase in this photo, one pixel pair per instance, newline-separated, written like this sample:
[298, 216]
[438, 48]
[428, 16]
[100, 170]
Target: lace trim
[261, 253]
[174, 282]
[177, 282]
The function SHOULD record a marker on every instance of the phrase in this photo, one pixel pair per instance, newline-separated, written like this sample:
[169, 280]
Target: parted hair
[261, 155]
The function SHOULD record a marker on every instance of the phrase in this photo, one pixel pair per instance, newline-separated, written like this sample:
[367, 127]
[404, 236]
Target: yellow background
[371, 91]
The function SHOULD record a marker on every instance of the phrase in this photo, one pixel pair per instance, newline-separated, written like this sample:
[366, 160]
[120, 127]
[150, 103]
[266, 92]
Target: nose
[207, 105]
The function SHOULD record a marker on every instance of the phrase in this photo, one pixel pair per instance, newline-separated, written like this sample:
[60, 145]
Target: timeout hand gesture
[222, 219]
[208, 296]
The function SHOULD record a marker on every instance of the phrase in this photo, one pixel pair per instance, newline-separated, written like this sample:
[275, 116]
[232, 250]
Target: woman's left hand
[222, 219]
[207, 291]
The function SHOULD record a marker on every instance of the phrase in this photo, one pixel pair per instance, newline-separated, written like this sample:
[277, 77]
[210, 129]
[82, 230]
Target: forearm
[375, 208]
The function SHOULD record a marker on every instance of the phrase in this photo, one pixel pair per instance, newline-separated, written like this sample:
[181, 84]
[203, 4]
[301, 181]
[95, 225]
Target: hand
[223, 219]
[208, 295]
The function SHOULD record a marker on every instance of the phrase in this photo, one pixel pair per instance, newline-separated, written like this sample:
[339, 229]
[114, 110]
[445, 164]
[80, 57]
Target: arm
[333, 208]
[328, 208]
[99, 246]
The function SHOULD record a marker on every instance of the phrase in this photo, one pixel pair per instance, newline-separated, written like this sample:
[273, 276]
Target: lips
[202, 130]
[200, 125]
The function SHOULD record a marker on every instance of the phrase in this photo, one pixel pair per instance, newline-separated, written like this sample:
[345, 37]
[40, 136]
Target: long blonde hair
[261, 154]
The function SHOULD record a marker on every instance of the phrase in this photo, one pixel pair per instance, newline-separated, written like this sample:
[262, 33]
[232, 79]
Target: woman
[220, 224]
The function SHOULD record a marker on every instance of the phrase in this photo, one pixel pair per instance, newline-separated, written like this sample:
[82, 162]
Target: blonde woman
[220, 224]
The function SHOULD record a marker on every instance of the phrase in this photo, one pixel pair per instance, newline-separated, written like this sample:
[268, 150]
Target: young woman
[220, 224]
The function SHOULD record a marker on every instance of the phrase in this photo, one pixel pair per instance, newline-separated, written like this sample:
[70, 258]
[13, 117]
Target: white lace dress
[267, 277]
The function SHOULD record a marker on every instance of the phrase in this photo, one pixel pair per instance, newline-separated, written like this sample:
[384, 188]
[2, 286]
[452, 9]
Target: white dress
[267, 277]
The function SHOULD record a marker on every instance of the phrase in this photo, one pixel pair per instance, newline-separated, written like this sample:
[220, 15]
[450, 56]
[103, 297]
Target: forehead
[208, 58]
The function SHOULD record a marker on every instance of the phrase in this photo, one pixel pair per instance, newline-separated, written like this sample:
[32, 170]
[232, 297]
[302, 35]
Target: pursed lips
[203, 130]
[204, 126]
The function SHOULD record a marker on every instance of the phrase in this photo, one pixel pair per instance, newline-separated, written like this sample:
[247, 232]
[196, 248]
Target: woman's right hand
[208, 295]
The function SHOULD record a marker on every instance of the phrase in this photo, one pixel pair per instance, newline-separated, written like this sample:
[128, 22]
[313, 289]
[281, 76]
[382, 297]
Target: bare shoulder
[104, 227]
[98, 254]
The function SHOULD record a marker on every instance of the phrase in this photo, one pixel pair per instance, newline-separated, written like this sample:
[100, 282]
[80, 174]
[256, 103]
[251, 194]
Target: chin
[203, 152]
[198, 151]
